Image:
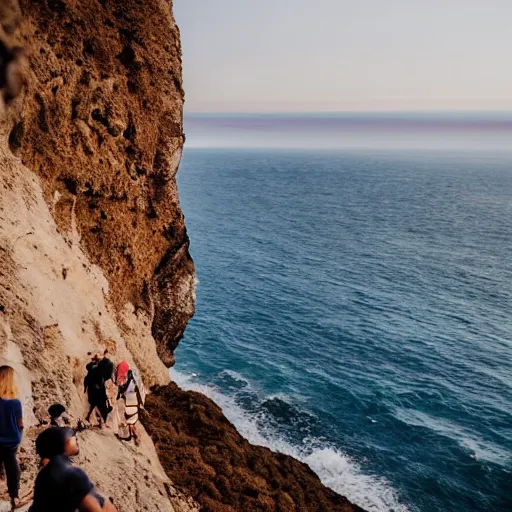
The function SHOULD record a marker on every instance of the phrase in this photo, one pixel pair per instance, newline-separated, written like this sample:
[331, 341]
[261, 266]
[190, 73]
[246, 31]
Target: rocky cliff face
[93, 247]
[101, 124]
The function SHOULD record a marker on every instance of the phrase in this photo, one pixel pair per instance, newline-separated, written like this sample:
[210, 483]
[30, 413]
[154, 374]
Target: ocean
[355, 296]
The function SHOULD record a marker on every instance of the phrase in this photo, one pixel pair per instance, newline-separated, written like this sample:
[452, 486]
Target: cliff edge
[207, 458]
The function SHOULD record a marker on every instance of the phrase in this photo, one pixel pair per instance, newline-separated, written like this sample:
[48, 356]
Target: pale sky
[337, 55]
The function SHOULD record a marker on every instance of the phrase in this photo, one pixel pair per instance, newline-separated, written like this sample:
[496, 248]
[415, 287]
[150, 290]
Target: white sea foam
[335, 469]
[481, 450]
[486, 451]
[236, 377]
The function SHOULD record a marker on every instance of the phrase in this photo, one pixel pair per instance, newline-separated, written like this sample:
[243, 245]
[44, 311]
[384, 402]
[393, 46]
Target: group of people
[105, 385]
[60, 486]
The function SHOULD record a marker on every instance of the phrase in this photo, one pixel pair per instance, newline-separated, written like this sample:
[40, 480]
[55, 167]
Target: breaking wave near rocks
[255, 419]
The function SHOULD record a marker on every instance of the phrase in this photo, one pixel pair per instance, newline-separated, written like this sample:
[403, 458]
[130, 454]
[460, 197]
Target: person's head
[71, 447]
[8, 388]
[56, 410]
[51, 443]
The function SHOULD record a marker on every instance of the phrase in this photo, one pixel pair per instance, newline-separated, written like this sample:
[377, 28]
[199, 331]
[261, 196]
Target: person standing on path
[121, 374]
[134, 401]
[106, 367]
[11, 427]
[94, 386]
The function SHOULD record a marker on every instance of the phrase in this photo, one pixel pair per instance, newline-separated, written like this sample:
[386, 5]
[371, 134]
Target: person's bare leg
[133, 433]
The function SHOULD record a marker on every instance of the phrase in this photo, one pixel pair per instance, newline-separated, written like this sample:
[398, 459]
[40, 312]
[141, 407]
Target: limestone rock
[100, 123]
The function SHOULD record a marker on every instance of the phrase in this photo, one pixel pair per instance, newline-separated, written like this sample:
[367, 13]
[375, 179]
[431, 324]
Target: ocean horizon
[354, 297]
[473, 131]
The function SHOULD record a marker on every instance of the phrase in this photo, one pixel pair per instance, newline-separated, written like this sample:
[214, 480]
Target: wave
[478, 448]
[236, 377]
[335, 469]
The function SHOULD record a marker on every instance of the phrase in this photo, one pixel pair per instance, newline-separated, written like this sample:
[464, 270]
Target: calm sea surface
[354, 300]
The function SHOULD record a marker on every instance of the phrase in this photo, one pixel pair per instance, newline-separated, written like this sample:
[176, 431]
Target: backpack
[107, 368]
[121, 372]
[94, 378]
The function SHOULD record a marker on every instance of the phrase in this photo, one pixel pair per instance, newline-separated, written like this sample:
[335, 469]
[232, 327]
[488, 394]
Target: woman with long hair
[11, 426]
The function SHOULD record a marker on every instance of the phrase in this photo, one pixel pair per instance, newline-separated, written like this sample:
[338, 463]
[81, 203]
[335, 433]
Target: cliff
[94, 254]
[101, 125]
[94, 251]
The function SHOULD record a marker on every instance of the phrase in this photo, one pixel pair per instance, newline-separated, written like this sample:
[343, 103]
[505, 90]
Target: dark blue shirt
[10, 413]
[60, 487]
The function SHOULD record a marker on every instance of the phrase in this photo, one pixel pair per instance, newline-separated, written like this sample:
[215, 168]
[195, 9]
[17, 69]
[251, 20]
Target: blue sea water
[354, 310]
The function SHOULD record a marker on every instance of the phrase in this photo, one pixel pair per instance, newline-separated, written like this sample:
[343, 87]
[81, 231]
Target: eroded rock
[101, 123]
[204, 455]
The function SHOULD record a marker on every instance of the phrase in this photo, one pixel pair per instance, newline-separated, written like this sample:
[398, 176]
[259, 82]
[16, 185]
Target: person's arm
[109, 506]
[85, 493]
[82, 490]
[90, 504]
[19, 415]
[139, 397]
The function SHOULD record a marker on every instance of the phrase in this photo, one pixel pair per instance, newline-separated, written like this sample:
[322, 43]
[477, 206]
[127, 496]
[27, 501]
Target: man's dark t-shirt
[60, 487]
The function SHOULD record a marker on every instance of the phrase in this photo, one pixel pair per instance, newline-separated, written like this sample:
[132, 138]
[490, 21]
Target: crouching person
[60, 486]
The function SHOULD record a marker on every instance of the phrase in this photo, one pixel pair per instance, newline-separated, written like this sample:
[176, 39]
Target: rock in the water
[206, 457]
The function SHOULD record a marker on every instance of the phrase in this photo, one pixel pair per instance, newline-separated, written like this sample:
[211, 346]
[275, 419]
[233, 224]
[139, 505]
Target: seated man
[61, 487]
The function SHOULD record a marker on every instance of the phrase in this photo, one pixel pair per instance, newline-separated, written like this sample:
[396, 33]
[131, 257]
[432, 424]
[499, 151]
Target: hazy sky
[323, 55]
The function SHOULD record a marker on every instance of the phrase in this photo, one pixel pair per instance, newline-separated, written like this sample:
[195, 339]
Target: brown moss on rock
[101, 123]
[203, 453]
